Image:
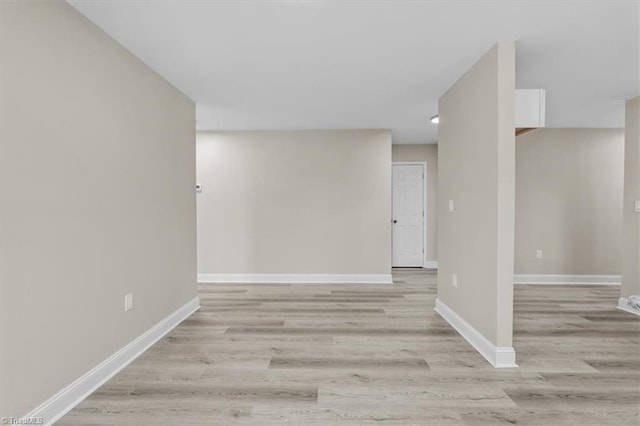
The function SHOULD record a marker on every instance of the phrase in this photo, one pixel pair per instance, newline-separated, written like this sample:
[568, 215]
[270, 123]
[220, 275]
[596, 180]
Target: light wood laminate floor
[377, 354]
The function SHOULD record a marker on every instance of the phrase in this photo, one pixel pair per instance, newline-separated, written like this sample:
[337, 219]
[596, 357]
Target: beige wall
[97, 200]
[428, 154]
[476, 156]
[631, 219]
[294, 202]
[569, 201]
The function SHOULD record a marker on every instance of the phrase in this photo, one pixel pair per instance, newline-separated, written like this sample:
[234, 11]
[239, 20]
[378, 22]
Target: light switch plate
[637, 206]
[128, 302]
[538, 254]
[451, 206]
[454, 280]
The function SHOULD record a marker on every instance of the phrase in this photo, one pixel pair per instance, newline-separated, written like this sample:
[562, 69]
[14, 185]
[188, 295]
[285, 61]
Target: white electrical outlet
[637, 206]
[451, 206]
[538, 254]
[454, 280]
[128, 302]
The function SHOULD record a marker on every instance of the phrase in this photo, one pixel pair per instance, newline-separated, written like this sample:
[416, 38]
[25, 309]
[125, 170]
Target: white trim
[623, 304]
[425, 193]
[566, 279]
[296, 278]
[431, 264]
[498, 356]
[61, 403]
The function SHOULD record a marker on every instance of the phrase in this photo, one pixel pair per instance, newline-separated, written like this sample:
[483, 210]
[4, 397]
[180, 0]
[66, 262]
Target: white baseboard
[623, 304]
[62, 402]
[431, 264]
[567, 279]
[295, 278]
[498, 356]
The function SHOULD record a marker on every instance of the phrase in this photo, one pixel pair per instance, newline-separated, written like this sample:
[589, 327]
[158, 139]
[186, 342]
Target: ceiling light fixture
[435, 119]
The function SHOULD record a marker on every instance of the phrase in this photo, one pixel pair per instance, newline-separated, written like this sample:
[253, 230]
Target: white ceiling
[375, 64]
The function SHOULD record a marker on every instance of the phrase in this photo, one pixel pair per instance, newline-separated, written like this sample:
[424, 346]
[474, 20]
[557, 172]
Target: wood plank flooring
[377, 354]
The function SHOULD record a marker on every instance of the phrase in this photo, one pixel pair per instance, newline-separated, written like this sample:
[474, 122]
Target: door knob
[395, 221]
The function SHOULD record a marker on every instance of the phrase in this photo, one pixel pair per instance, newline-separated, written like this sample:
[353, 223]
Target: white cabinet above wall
[530, 109]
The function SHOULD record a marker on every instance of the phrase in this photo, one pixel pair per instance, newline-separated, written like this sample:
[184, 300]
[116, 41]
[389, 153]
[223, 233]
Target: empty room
[218, 212]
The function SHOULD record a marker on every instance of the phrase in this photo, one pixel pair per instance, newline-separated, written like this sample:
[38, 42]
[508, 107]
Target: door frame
[424, 205]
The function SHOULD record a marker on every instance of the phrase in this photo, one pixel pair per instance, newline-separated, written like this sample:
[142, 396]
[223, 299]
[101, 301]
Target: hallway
[377, 354]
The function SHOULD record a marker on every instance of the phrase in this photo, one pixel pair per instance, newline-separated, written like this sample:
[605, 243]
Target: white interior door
[408, 215]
